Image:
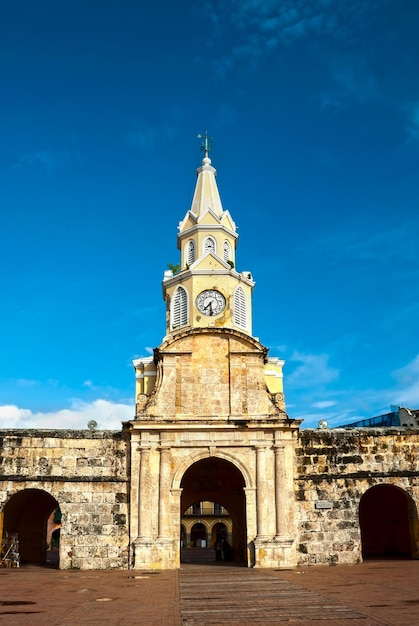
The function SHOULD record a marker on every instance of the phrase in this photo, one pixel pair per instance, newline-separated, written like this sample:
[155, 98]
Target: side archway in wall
[389, 523]
[26, 513]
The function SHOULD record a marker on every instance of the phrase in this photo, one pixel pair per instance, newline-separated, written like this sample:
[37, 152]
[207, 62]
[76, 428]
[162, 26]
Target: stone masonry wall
[86, 472]
[334, 469]
[229, 365]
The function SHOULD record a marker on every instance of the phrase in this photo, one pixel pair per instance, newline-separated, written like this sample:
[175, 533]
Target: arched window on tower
[227, 251]
[240, 308]
[209, 245]
[179, 308]
[190, 252]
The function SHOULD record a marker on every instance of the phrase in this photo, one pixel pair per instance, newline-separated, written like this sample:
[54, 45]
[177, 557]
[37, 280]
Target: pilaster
[164, 494]
[144, 510]
[261, 493]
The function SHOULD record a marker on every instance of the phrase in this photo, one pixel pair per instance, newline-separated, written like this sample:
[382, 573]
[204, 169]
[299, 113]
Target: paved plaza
[370, 593]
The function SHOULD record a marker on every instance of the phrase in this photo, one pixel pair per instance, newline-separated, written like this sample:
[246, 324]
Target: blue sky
[314, 110]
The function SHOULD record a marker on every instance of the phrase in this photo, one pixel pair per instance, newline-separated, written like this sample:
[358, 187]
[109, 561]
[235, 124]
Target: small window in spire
[190, 252]
[179, 306]
[240, 308]
[209, 245]
[227, 251]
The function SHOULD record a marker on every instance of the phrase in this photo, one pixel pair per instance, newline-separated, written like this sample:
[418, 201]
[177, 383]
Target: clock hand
[209, 307]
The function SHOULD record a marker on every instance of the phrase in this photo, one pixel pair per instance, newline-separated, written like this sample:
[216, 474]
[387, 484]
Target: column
[280, 490]
[164, 493]
[261, 495]
[134, 489]
[144, 510]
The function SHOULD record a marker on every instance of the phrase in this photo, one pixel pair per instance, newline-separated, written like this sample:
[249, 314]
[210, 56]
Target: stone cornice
[228, 332]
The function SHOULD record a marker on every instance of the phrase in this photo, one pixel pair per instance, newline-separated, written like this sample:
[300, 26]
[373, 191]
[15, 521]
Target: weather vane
[206, 143]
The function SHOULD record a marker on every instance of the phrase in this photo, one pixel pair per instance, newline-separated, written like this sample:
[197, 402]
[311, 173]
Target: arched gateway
[262, 514]
[210, 420]
[217, 480]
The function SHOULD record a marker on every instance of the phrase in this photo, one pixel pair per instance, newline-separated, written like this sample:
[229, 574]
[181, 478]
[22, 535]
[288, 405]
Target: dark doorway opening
[387, 517]
[217, 484]
[26, 515]
[198, 536]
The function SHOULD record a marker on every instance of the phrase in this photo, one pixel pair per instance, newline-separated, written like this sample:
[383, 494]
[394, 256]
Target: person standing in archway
[218, 549]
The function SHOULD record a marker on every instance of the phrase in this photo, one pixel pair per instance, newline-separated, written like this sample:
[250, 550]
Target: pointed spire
[206, 194]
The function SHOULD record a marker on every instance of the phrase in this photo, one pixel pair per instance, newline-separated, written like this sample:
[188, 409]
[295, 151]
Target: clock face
[210, 302]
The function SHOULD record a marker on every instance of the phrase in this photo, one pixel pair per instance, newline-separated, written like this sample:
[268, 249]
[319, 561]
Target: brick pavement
[32, 596]
[368, 594]
[387, 591]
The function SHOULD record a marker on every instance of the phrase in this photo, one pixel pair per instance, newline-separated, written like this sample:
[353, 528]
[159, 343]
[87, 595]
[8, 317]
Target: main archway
[387, 517]
[219, 481]
[26, 514]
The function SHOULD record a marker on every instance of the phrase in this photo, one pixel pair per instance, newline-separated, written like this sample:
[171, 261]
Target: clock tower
[208, 313]
[207, 291]
[210, 421]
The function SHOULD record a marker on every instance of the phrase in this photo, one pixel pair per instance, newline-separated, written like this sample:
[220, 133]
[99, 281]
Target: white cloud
[407, 377]
[53, 382]
[258, 30]
[108, 415]
[408, 374]
[312, 402]
[12, 416]
[348, 243]
[26, 382]
[313, 370]
[353, 77]
[144, 137]
[268, 23]
[413, 126]
[324, 404]
[328, 101]
[44, 160]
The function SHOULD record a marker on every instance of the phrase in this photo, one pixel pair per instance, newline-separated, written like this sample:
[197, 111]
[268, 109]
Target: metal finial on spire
[206, 143]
